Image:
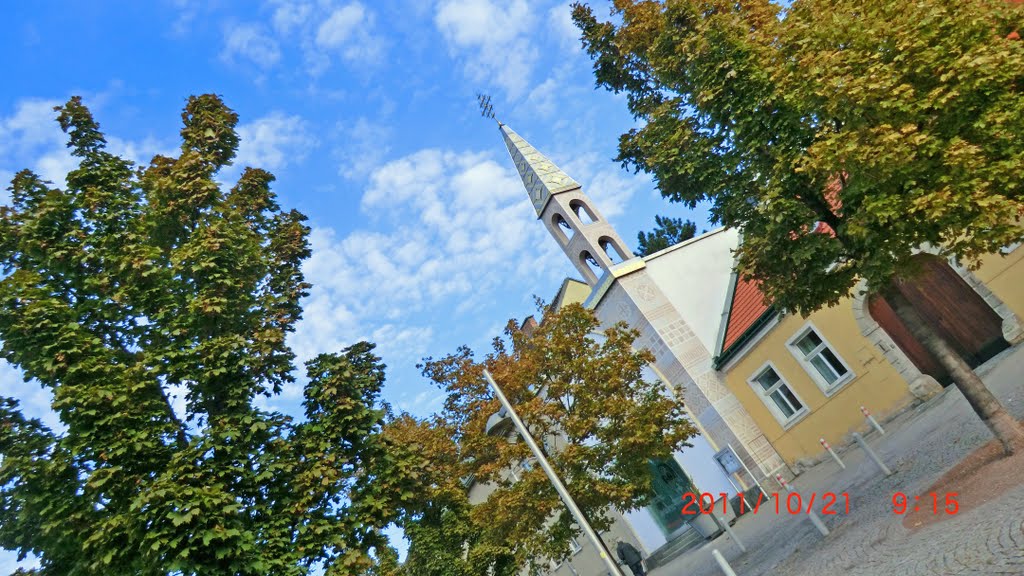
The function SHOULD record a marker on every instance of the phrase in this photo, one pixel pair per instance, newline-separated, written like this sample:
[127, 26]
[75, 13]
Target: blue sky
[423, 237]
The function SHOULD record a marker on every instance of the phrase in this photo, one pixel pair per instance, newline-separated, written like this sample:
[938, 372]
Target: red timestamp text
[932, 502]
[791, 503]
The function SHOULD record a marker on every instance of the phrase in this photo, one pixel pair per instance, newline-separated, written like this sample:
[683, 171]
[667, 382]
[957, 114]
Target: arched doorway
[668, 483]
[952, 308]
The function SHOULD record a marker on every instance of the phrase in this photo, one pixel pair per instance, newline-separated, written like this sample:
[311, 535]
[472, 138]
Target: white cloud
[460, 228]
[610, 187]
[188, 10]
[340, 26]
[34, 399]
[492, 39]
[348, 31]
[289, 16]
[252, 42]
[140, 152]
[9, 562]
[560, 22]
[545, 98]
[479, 22]
[32, 124]
[325, 30]
[366, 143]
[55, 165]
[426, 402]
[31, 138]
[274, 141]
[176, 396]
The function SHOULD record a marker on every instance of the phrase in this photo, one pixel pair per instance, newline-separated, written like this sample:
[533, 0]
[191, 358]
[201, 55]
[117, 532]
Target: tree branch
[180, 434]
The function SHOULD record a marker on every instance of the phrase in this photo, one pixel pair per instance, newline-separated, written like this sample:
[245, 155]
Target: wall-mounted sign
[728, 460]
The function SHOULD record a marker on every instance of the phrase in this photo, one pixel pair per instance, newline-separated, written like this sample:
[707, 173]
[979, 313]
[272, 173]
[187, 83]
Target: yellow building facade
[1003, 274]
[820, 409]
[805, 379]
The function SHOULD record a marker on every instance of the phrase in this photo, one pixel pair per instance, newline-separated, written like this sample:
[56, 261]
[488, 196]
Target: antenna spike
[485, 105]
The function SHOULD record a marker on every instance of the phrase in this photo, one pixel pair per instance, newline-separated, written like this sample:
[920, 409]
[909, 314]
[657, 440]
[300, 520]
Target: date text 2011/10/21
[791, 503]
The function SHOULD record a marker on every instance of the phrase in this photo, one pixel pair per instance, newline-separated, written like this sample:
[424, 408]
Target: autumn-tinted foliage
[444, 541]
[839, 137]
[581, 391]
[893, 123]
[132, 282]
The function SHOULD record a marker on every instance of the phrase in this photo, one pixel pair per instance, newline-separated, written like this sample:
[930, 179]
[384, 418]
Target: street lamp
[494, 424]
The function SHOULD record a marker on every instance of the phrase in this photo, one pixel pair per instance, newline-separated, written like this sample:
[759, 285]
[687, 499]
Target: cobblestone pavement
[919, 445]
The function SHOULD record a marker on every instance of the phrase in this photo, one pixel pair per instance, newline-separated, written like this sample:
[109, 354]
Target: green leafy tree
[582, 394]
[840, 137]
[130, 281]
[667, 232]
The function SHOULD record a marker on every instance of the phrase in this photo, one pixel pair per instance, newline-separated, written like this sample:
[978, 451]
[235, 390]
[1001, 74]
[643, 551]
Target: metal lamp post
[594, 538]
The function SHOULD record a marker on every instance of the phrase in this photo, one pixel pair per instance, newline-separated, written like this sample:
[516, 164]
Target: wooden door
[886, 317]
[956, 311]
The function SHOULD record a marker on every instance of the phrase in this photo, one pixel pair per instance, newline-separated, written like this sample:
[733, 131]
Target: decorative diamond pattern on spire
[540, 176]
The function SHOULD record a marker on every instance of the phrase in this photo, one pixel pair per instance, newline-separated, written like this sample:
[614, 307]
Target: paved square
[919, 445]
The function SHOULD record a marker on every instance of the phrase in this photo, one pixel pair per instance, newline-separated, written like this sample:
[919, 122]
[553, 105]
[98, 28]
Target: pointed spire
[540, 176]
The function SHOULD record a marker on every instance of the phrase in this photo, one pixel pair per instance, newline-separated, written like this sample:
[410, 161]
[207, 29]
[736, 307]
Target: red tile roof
[746, 308]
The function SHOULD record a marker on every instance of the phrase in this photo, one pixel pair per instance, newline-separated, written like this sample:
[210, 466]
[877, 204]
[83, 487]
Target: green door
[669, 483]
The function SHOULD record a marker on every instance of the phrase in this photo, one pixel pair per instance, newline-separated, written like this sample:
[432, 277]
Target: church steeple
[589, 241]
[540, 175]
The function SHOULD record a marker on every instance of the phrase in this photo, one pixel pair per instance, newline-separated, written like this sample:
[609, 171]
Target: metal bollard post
[871, 453]
[811, 514]
[725, 526]
[872, 420]
[742, 493]
[726, 569]
[833, 453]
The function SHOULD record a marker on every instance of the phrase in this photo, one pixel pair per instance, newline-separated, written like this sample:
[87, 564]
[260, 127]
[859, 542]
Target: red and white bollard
[833, 453]
[871, 419]
[782, 482]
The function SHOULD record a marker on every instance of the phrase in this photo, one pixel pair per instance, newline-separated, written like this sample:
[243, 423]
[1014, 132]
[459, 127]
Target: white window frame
[804, 360]
[575, 545]
[764, 395]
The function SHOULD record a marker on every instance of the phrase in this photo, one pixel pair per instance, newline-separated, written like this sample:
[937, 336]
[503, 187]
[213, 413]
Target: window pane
[824, 369]
[797, 406]
[834, 361]
[808, 343]
[780, 401]
[768, 378]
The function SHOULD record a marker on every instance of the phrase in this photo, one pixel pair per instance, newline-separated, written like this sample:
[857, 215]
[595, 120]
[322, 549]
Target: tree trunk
[985, 404]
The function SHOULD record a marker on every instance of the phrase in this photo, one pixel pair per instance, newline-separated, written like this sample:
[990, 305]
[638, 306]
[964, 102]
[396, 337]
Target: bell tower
[587, 239]
[630, 293]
